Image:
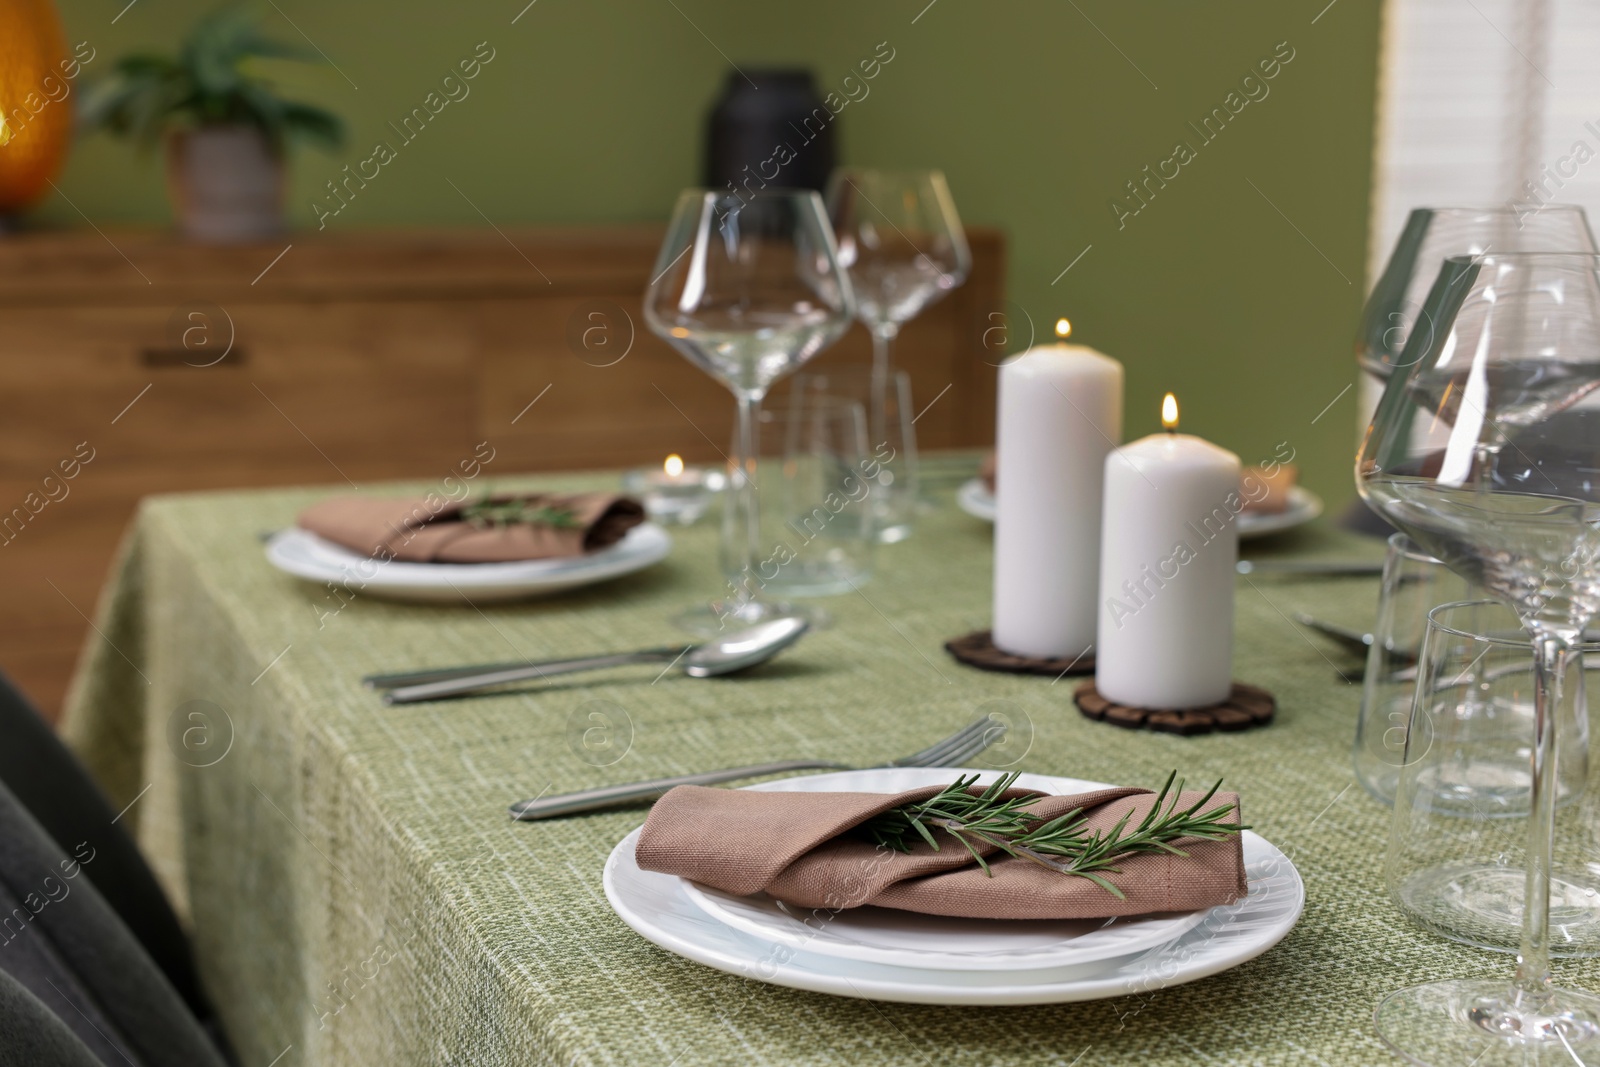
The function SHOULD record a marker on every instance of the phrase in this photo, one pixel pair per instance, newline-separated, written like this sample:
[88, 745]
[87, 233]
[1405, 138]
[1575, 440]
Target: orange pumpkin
[35, 100]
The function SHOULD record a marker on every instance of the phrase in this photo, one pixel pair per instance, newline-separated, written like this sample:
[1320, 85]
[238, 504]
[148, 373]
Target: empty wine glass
[902, 242]
[747, 287]
[1483, 449]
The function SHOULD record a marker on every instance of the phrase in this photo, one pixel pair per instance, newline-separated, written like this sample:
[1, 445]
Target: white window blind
[1476, 98]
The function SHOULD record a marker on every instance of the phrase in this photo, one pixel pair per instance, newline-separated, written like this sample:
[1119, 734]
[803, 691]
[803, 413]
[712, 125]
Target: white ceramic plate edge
[1122, 939]
[1304, 505]
[304, 555]
[975, 499]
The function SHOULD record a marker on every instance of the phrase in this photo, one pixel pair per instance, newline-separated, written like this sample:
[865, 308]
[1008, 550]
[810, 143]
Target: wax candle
[1169, 545]
[1060, 414]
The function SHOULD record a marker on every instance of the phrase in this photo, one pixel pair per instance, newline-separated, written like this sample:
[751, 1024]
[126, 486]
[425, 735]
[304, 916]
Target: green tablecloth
[358, 895]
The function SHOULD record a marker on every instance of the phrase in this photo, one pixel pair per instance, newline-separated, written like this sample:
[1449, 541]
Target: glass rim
[1436, 622]
[1522, 640]
[836, 413]
[893, 172]
[1467, 259]
[1510, 207]
[707, 195]
[847, 371]
[1401, 542]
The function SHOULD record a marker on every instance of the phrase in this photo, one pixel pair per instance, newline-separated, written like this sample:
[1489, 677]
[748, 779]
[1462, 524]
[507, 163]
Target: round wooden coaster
[1246, 706]
[977, 650]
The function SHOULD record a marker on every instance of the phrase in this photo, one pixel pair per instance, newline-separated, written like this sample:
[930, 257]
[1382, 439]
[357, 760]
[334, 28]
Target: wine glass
[902, 242]
[1484, 449]
[1429, 237]
[748, 287]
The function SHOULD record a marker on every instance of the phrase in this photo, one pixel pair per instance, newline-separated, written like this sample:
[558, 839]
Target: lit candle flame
[1169, 412]
[1063, 329]
[673, 466]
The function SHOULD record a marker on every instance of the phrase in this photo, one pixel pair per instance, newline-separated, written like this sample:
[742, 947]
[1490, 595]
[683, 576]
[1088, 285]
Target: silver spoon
[721, 655]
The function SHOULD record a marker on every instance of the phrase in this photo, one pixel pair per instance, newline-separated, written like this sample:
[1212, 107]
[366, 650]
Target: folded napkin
[794, 847]
[431, 530]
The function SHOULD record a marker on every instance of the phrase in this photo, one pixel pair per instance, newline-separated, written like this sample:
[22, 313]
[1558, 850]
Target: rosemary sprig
[499, 513]
[1065, 843]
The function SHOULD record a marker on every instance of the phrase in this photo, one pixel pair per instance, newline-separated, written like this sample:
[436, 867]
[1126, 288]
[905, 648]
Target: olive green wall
[1236, 286]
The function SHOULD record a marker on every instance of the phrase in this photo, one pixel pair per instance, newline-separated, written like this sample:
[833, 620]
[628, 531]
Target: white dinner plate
[660, 908]
[905, 938]
[1304, 505]
[305, 555]
[975, 499]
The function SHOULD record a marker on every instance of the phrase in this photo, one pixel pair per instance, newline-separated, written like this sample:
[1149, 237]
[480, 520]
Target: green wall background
[1237, 287]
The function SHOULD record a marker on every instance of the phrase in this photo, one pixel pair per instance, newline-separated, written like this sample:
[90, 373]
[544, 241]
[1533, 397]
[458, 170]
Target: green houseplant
[225, 128]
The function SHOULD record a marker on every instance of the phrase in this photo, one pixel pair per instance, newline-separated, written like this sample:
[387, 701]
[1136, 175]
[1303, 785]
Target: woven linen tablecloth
[359, 896]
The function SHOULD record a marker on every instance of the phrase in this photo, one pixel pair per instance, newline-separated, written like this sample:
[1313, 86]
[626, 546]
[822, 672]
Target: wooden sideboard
[354, 358]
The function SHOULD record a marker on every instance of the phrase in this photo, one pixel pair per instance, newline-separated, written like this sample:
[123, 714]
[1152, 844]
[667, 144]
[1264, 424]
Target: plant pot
[226, 184]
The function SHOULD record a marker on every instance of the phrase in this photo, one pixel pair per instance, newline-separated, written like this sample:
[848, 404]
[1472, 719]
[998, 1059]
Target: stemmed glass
[747, 287]
[1484, 449]
[902, 242]
[1433, 234]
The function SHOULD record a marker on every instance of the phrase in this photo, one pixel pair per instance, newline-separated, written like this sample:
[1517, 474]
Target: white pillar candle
[1060, 414]
[1169, 546]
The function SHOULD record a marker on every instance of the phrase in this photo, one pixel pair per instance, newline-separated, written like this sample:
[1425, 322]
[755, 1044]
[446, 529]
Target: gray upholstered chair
[54, 787]
[66, 946]
[31, 1035]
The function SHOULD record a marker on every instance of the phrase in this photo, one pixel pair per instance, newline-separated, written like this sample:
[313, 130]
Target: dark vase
[769, 129]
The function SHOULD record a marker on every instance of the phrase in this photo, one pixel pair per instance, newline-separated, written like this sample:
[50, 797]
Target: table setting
[1021, 959]
[1153, 799]
[495, 548]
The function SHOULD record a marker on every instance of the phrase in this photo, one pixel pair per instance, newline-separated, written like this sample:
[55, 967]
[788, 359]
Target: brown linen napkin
[794, 847]
[430, 530]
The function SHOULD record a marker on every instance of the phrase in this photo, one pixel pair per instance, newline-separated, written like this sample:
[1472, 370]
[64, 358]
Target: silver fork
[951, 752]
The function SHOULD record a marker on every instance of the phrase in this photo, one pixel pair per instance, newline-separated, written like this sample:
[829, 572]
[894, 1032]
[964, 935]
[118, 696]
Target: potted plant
[226, 130]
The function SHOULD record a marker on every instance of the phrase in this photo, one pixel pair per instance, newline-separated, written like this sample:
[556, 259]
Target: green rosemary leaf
[1103, 884]
[988, 818]
[488, 513]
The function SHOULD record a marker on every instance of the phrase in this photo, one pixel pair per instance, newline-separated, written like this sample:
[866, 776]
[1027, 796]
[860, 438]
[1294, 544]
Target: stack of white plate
[882, 954]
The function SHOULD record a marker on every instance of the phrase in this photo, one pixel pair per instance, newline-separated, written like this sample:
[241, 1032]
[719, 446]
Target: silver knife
[1309, 566]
